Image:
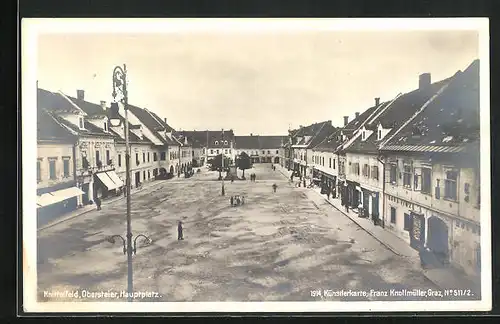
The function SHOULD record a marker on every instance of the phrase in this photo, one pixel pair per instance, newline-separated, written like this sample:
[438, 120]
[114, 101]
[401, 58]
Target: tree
[244, 163]
[217, 164]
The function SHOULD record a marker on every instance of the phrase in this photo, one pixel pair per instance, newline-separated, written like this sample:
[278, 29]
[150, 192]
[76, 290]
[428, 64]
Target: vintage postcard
[255, 165]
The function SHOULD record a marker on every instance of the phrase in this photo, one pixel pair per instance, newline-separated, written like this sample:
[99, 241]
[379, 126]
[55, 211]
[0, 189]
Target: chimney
[80, 94]
[165, 119]
[377, 102]
[346, 120]
[251, 134]
[37, 84]
[357, 115]
[424, 80]
[103, 104]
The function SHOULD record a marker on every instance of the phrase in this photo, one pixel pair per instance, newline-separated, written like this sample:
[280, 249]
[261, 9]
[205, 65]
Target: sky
[260, 83]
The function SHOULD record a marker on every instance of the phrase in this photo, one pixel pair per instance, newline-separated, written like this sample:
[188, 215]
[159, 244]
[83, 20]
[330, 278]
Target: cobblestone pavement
[278, 246]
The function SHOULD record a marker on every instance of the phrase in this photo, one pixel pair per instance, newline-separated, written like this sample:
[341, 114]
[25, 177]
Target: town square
[226, 167]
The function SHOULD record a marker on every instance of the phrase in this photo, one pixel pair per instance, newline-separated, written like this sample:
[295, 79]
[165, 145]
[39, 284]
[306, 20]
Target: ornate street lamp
[120, 85]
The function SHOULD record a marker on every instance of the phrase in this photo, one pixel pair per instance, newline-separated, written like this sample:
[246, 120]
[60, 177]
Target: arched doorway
[437, 240]
[276, 160]
[171, 169]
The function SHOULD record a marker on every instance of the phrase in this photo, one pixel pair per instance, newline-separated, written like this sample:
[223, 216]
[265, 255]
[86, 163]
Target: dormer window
[216, 142]
[225, 142]
[80, 122]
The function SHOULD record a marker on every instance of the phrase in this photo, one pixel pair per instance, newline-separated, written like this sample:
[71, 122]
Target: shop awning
[106, 180]
[57, 196]
[115, 178]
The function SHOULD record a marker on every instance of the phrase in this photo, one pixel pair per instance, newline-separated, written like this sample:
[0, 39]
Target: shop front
[56, 201]
[353, 194]
[108, 184]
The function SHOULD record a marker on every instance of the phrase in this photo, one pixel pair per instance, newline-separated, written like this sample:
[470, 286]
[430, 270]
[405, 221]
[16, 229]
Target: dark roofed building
[49, 129]
[384, 121]
[450, 123]
[154, 124]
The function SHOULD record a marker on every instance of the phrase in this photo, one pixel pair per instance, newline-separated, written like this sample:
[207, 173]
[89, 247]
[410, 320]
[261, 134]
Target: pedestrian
[98, 203]
[238, 200]
[274, 187]
[242, 200]
[232, 200]
[347, 207]
[328, 194]
[180, 234]
[304, 182]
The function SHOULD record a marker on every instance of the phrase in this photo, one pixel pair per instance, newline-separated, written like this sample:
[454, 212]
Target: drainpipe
[383, 190]
[79, 198]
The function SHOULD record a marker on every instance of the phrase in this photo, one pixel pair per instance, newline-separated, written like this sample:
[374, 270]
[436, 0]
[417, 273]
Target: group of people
[237, 200]
[252, 177]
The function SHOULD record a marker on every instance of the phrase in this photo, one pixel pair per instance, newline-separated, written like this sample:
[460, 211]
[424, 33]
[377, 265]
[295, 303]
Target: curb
[91, 209]
[364, 229]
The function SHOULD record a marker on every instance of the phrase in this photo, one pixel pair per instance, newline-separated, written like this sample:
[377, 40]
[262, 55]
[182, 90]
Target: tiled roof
[247, 142]
[312, 135]
[356, 122]
[259, 141]
[53, 102]
[49, 129]
[393, 115]
[449, 123]
[90, 108]
[131, 137]
[330, 143]
[152, 123]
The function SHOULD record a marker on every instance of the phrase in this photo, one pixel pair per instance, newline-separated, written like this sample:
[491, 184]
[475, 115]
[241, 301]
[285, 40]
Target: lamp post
[120, 85]
[223, 192]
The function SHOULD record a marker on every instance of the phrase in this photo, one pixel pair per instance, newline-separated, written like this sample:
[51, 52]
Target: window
[450, 185]
[323, 161]
[97, 157]
[80, 122]
[203, 151]
[374, 172]
[330, 163]
[163, 156]
[216, 142]
[379, 134]
[144, 175]
[217, 151]
[366, 170]
[148, 156]
[334, 163]
[52, 169]
[277, 151]
[355, 168]
[107, 156]
[105, 126]
[119, 160]
[143, 157]
[225, 151]
[38, 171]
[393, 174]
[136, 157]
[155, 156]
[225, 142]
[66, 168]
[393, 215]
[426, 181]
[192, 153]
[268, 152]
[407, 222]
[149, 175]
[264, 152]
[229, 151]
[211, 151]
[407, 176]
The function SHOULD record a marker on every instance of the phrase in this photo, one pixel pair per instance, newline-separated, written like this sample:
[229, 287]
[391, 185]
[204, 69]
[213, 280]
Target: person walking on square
[328, 194]
[232, 201]
[98, 203]
[274, 187]
[304, 182]
[242, 200]
[180, 234]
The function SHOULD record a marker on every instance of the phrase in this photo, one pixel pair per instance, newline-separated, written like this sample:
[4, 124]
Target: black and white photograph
[256, 165]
